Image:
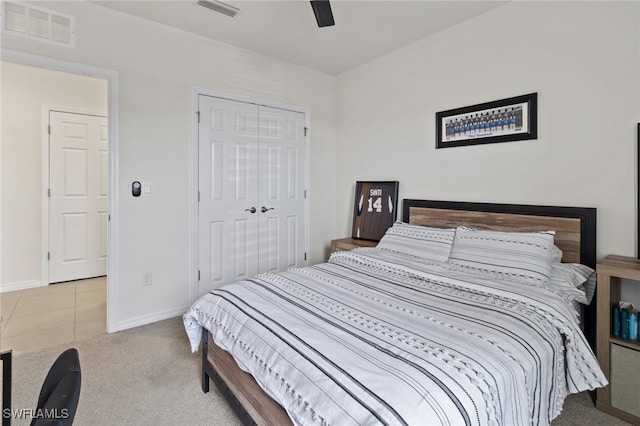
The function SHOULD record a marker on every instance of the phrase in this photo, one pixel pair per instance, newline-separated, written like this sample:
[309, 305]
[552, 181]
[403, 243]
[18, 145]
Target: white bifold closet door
[251, 214]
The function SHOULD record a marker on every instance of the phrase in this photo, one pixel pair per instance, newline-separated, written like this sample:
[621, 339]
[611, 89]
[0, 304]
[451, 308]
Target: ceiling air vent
[220, 7]
[37, 23]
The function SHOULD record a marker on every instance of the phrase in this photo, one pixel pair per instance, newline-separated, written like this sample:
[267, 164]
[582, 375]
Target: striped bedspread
[374, 338]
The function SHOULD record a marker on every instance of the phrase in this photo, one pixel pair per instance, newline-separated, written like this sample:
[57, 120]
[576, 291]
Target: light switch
[146, 189]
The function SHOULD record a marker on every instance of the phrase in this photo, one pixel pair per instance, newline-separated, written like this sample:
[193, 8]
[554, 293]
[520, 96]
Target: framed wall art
[511, 119]
[375, 209]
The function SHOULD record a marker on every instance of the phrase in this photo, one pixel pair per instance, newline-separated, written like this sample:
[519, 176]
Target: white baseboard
[21, 285]
[151, 318]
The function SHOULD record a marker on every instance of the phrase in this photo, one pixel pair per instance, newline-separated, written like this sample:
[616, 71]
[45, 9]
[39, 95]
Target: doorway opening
[108, 229]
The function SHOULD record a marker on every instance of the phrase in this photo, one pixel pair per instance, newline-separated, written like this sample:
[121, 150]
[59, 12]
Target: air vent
[36, 23]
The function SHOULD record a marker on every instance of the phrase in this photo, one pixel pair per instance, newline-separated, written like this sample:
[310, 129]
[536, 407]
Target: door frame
[111, 76]
[194, 175]
[46, 184]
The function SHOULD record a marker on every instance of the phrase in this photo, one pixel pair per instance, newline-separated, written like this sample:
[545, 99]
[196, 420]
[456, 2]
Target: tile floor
[40, 317]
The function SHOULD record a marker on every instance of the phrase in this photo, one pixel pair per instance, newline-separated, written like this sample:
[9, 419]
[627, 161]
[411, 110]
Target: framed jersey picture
[374, 210]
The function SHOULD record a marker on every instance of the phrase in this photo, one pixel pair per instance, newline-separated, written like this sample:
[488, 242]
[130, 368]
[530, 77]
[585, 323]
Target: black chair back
[60, 393]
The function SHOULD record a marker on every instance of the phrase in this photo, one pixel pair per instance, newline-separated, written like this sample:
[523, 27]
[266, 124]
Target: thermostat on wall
[136, 188]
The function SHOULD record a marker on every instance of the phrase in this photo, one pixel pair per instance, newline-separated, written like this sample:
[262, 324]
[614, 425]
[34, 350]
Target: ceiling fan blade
[322, 10]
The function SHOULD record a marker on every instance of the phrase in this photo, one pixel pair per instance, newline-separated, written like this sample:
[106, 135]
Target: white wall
[158, 67]
[582, 58]
[25, 90]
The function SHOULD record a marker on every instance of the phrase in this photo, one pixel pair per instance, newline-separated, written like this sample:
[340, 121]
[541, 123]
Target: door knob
[264, 209]
[252, 210]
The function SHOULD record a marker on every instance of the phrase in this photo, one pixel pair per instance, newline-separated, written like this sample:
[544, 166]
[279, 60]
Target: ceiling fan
[322, 10]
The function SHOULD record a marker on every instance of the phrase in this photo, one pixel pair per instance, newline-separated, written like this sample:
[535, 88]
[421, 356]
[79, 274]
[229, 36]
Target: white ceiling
[287, 30]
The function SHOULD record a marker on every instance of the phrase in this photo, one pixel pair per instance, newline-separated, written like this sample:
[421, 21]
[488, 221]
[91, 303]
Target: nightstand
[346, 244]
[619, 358]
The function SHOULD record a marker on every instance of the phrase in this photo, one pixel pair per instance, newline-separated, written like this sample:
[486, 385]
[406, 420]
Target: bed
[418, 330]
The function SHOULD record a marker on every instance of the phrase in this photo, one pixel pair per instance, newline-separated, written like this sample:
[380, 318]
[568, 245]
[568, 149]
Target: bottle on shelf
[633, 325]
[616, 320]
[624, 323]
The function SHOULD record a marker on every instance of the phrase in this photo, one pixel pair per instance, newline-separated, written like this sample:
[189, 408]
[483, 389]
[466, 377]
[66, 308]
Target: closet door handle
[263, 209]
[252, 210]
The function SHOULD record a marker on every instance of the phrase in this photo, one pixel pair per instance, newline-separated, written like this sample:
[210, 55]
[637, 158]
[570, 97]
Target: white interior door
[78, 179]
[228, 191]
[251, 158]
[281, 189]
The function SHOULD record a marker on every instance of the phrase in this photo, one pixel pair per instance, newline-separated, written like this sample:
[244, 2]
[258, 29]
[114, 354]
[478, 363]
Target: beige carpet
[148, 376]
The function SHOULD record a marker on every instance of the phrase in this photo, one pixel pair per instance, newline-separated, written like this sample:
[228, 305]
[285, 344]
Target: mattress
[375, 337]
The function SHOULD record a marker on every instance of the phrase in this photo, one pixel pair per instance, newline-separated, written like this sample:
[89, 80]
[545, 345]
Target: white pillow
[556, 254]
[520, 256]
[432, 244]
[574, 280]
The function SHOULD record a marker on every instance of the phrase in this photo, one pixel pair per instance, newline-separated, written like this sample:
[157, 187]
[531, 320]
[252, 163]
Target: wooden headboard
[575, 226]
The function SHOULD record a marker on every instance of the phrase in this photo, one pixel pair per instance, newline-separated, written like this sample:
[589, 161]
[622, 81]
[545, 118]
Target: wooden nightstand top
[350, 244]
[619, 266]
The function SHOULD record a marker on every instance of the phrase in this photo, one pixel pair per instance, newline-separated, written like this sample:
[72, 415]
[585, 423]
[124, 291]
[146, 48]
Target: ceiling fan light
[220, 7]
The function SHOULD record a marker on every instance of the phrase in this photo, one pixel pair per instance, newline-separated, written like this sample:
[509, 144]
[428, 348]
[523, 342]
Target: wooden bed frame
[575, 235]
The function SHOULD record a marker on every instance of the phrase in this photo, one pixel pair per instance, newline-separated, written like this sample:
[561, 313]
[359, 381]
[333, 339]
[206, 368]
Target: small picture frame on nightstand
[375, 209]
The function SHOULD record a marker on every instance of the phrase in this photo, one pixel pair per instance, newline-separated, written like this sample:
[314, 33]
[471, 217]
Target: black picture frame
[375, 208]
[505, 120]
